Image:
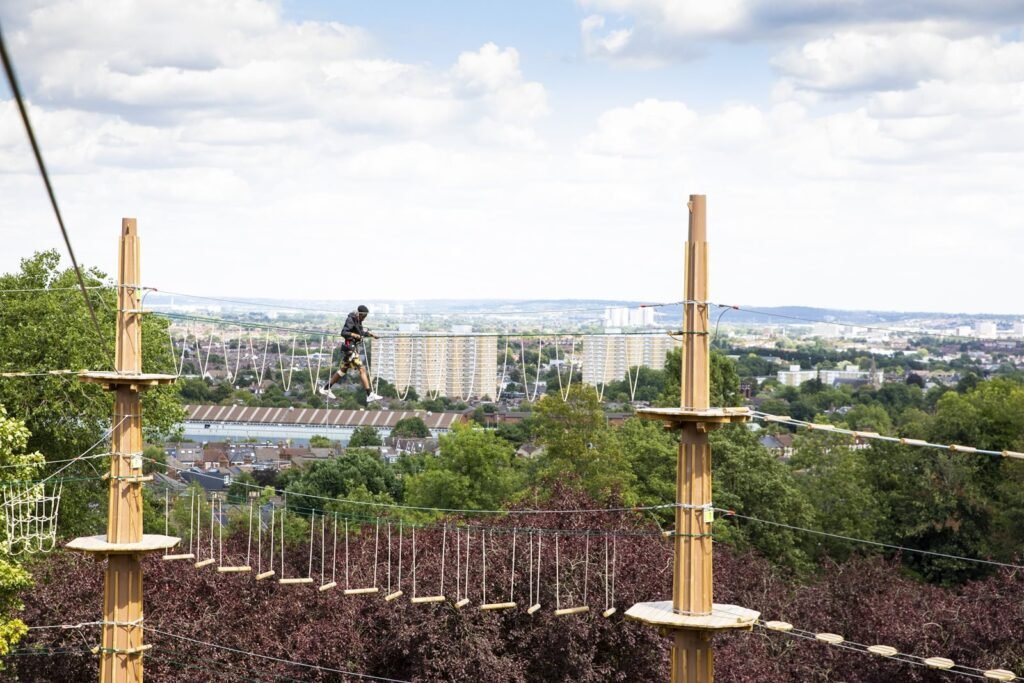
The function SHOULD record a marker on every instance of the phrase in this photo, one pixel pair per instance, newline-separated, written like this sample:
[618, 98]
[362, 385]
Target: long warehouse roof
[317, 416]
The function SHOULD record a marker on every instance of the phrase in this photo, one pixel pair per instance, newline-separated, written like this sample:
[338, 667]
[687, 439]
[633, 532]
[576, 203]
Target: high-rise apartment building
[607, 357]
[433, 364]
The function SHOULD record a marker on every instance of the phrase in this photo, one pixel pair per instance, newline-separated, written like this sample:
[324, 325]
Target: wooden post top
[129, 226]
[698, 213]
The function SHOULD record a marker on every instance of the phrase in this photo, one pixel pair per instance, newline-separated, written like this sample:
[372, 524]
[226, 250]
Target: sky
[858, 154]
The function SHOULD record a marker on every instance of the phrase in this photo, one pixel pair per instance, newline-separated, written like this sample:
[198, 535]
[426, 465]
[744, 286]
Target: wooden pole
[122, 595]
[124, 544]
[692, 659]
[691, 617]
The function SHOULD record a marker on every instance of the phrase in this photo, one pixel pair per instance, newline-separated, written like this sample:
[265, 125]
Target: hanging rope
[286, 380]
[572, 365]
[504, 367]
[472, 374]
[314, 381]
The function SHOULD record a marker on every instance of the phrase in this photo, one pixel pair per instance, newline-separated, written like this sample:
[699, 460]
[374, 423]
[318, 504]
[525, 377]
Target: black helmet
[363, 309]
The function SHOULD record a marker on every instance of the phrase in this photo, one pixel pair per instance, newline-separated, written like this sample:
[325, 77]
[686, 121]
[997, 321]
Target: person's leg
[335, 378]
[364, 378]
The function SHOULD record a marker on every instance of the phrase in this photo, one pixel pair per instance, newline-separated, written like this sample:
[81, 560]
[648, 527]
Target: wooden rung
[393, 596]
[883, 650]
[171, 558]
[264, 575]
[571, 610]
[233, 570]
[328, 586]
[533, 608]
[608, 612]
[999, 675]
[427, 598]
[778, 626]
[497, 605]
[939, 663]
[203, 563]
[462, 603]
[830, 638]
[307, 579]
[360, 591]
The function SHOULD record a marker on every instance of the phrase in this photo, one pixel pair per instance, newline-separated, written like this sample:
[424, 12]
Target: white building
[607, 357]
[794, 377]
[1018, 328]
[459, 367]
[985, 329]
[629, 317]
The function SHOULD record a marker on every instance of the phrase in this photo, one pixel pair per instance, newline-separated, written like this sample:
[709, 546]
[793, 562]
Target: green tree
[751, 481]
[51, 330]
[652, 452]
[411, 427]
[338, 477]
[725, 382]
[364, 437]
[474, 469]
[834, 478]
[579, 446]
[317, 441]
[18, 465]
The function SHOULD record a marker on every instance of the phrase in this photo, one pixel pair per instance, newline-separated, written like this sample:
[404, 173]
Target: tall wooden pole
[122, 594]
[692, 657]
[124, 545]
[692, 616]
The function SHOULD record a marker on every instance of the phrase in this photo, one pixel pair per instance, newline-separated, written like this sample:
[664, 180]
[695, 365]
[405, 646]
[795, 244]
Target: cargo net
[31, 517]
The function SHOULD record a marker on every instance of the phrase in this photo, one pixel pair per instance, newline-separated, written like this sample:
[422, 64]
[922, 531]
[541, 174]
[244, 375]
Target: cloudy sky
[855, 153]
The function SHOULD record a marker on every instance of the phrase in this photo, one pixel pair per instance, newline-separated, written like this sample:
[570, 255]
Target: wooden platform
[680, 416]
[136, 380]
[99, 545]
[722, 617]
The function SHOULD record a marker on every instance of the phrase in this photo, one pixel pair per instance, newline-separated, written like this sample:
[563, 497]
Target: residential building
[794, 377]
[986, 329]
[458, 367]
[607, 357]
[850, 373]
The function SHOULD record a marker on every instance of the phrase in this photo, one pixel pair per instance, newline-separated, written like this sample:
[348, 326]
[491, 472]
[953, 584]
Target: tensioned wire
[590, 532]
[392, 334]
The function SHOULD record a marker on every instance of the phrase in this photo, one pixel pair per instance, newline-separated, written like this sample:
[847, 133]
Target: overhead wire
[309, 309]
[730, 513]
[315, 667]
[16, 91]
[875, 436]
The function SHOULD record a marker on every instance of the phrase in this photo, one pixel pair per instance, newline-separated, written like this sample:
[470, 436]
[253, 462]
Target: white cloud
[652, 32]
[858, 61]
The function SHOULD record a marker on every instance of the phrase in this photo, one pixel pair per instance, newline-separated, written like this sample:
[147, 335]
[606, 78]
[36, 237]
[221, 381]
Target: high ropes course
[506, 564]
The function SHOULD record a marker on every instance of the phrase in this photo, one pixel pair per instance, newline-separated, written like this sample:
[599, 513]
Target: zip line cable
[875, 436]
[16, 91]
[729, 513]
[389, 334]
[431, 509]
[315, 667]
[264, 304]
[27, 290]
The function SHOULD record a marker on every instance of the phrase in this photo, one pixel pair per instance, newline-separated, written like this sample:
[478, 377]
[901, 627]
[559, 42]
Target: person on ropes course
[353, 334]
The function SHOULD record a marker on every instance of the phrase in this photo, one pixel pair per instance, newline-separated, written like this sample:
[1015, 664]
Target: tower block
[692, 617]
[124, 544]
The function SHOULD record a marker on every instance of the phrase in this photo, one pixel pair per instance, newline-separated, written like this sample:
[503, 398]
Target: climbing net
[31, 517]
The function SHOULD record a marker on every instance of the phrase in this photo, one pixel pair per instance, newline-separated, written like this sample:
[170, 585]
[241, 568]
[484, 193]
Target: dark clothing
[352, 324]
